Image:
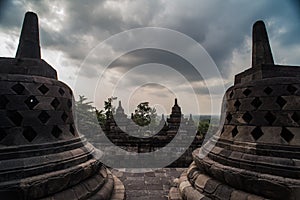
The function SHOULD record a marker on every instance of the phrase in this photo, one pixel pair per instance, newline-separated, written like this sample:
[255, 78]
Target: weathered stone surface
[261, 51]
[238, 195]
[29, 45]
[256, 155]
[119, 128]
[42, 155]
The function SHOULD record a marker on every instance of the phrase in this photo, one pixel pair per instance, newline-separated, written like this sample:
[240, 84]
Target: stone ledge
[275, 187]
[195, 185]
[27, 66]
[119, 190]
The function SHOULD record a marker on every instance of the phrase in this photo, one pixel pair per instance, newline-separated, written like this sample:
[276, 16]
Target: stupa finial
[261, 50]
[29, 44]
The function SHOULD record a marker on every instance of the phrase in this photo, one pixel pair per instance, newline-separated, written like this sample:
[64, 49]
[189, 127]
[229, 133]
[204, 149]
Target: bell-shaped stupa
[256, 153]
[42, 156]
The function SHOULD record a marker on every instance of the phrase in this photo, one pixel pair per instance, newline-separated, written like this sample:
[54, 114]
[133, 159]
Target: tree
[144, 114]
[85, 115]
[101, 117]
[203, 127]
[109, 109]
[107, 113]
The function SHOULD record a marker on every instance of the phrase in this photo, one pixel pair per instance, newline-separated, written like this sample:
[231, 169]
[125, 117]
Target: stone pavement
[150, 185]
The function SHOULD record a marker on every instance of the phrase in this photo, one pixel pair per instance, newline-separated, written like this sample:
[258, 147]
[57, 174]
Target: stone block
[238, 195]
[201, 182]
[211, 186]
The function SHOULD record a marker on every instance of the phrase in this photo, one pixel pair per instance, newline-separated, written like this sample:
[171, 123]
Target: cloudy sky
[74, 37]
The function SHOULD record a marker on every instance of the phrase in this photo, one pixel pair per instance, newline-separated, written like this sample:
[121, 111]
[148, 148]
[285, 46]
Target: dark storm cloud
[88, 23]
[139, 57]
[11, 14]
[220, 26]
[3, 5]
[291, 28]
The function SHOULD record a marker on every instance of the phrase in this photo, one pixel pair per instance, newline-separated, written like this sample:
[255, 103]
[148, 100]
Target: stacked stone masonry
[42, 154]
[119, 131]
[256, 153]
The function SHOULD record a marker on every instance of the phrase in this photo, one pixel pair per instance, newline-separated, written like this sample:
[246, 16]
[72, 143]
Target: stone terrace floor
[152, 185]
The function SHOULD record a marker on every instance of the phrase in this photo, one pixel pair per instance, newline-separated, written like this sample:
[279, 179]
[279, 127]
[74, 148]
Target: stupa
[256, 153]
[175, 117]
[42, 156]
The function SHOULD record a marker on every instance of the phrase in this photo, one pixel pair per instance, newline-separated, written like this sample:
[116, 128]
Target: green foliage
[144, 115]
[101, 117]
[109, 109]
[208, 127]
[107, 113]
[89, 116]
[203, 127]
[85, 114]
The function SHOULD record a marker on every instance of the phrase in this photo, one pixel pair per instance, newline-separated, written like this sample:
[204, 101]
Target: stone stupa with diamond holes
[257, 151]
[42, 155]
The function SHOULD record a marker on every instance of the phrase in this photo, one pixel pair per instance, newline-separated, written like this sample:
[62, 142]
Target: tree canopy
[85, 115]
[144, 115]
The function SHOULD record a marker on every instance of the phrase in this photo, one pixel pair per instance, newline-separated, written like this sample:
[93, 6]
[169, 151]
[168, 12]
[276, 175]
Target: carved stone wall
[255, 154]
[42, 156]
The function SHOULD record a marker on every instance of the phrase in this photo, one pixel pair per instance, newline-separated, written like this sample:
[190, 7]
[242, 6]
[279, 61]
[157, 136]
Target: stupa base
[209, 179]
[195, 184]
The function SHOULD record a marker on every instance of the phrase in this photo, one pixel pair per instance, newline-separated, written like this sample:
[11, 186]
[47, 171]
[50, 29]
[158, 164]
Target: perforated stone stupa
[257, 150]
[42, 156]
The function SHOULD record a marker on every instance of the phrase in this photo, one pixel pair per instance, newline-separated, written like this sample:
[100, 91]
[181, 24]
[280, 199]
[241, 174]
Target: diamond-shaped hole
[247, 92]
[72, 130]
[234, 132]
[237, 104]
[44, 117]
[256, 102]
[18, 88]
[270, 118]
[3, 134]
[61, 91]
[43, 89]
[29, 134]
[69, 103]
[31, 102]
[229, 117]
[247, 117]
[231, 94]
[291, 89]
[55, 103]
[280, 101]
[295, 116]
[64, 117]
[15, 117]
[3, 102]
[257, 133]
[56, 131]
[268, 90]
[286, 135]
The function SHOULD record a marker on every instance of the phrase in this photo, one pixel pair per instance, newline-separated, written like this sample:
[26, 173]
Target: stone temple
[42, 156]
[118, 127]
[255, 154]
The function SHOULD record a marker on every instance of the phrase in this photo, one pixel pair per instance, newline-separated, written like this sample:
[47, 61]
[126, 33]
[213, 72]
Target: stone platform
[152, 185]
